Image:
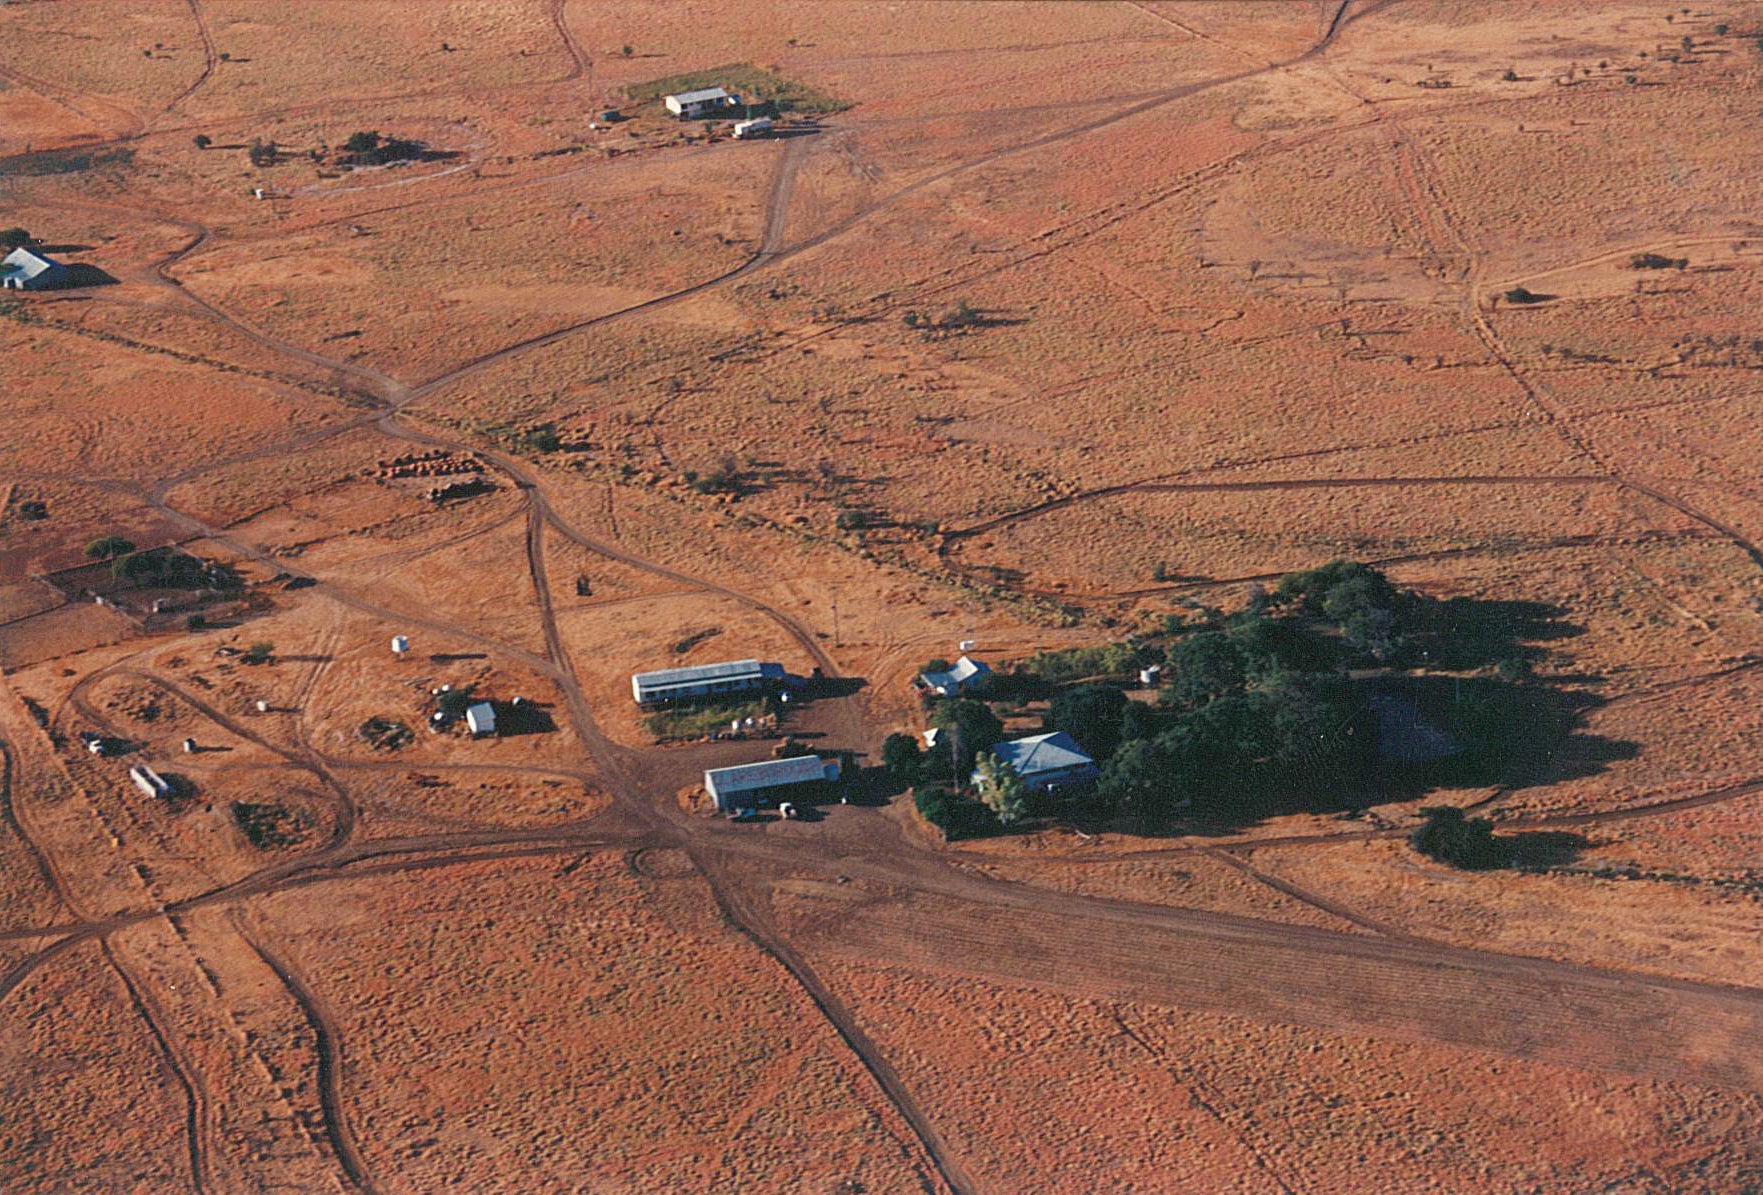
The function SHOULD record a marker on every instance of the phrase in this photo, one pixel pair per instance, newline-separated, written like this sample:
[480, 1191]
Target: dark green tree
[362, 141]
[1140, 784]
[1202, 668]
[969, 727]
[1092, 715]
[902, 759]
[1450, 836]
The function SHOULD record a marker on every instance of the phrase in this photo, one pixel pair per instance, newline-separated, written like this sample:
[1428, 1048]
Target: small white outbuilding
[480, 719]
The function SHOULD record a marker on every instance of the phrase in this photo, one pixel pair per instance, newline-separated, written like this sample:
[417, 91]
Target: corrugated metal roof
[698, 674]
[1042, 753]
[767, 773]
[963, 673]
[699, 96]
[481, 717]
[25, 264]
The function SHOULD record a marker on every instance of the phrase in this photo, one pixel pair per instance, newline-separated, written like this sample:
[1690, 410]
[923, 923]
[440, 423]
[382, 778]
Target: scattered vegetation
[262, 153]
[269, 826]
[1114, 659]
[1656, 261]
[14, 238]
[202, 140]
[1519, 294]
[699, 721]
[64, 161]
[682, 646]
[725, 478]
[385, 734]
[260, 652]
[366, 147]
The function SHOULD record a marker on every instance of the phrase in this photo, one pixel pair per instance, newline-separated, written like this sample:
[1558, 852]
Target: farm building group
[744, 788]
[710, 102]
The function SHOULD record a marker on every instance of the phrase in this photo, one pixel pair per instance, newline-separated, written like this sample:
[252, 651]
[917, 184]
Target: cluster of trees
[14, 238]
[165, 567]
[966, 728]
[367, 147]
[1261, 711]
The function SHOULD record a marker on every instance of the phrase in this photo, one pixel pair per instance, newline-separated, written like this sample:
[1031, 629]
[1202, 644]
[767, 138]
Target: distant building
[24, 269]
[150, 782]
[480, 719]
[747, 785]
[709, 101]
[967, 676]
[706, 680]
[1047, 761]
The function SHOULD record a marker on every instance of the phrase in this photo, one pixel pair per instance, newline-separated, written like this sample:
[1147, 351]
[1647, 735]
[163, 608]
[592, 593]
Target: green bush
[1075, 663]
[955, 815]
[695, 722]
[902, 759]
[1449, 836]
[108, 547]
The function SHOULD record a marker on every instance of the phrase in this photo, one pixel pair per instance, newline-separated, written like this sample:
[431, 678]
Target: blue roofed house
[965, 676]
[24, 269]
[1047, 762]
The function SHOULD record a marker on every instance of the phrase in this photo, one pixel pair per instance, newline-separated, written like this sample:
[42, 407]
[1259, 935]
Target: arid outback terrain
[1045, 326]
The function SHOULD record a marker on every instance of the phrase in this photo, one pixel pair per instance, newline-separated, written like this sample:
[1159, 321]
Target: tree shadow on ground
[1539, 850]
[529, 717]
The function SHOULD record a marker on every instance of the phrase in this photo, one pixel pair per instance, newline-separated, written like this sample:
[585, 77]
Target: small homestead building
[480, 719]
[701, 681]
[749, 785]
[25, 269]
[708, 101]
[1047, 762]
[966, 676]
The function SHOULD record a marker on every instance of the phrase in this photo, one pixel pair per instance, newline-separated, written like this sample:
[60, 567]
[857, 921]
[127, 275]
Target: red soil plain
[1244, 275]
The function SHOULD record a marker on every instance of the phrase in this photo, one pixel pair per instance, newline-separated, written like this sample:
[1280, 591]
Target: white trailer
[759, 126]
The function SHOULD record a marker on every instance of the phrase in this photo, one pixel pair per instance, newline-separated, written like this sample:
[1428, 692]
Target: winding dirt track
[945, 920]
[188, 1078]
[329, 1045]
